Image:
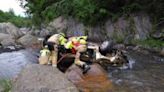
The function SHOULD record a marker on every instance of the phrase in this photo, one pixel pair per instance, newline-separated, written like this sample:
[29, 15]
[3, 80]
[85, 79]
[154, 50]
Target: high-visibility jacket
[75, 42]
[45, 52]
[57, 39]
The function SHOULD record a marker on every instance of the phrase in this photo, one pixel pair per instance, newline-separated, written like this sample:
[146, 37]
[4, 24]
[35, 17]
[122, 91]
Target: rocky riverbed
[144, 74]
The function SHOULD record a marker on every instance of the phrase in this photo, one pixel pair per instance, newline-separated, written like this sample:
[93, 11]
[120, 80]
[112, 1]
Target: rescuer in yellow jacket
[78, 45]
[51, 45]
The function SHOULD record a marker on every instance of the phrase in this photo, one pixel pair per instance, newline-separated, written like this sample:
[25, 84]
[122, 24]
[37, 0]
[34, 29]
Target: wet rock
[95, 80]
[38, 78]
[10, 48]
[137, 48]
[119, 46]
[157, 35]
[9, 28]
[28, 40]
[129, 47]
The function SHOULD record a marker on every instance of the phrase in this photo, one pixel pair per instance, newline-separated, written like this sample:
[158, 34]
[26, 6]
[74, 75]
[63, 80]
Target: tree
[17, 20]
[91, 11]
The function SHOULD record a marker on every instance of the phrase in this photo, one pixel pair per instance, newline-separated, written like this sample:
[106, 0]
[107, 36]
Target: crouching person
[49, 55]
[78, 45]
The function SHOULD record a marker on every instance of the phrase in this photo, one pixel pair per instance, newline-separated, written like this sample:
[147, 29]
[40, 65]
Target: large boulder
[9, 28]
[74, 28]
[95, 80]
[143, 26]
[8, 42]
[96, 34]
[39, 78]
[44, 33]
[28, 40]
[127, 29]
[69, 26]
[6, 39]
[58, 25]
[24, 30]
[136, 26]
[4, 36]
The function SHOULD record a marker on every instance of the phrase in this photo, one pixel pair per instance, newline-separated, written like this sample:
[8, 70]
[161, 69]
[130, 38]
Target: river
[145, 73]
[11, 63]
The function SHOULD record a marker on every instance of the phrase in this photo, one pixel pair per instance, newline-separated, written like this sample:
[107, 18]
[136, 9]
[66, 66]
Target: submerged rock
[95, 80]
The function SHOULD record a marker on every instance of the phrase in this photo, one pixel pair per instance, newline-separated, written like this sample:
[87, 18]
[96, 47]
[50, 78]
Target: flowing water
[11, 63]
[144, 74]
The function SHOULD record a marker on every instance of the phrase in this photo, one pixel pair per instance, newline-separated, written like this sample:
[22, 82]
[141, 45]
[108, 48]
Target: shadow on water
[145, 74]
[12, 62]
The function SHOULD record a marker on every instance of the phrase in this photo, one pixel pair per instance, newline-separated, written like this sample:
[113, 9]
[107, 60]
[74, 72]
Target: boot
[86, 68]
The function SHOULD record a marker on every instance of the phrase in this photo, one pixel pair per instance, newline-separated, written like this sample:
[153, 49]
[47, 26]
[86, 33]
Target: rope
[63, 56]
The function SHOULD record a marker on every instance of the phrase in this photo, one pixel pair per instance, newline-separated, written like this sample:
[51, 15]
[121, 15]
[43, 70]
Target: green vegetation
[91, 12]
[152, 43]
[5, 85]
[17, 20]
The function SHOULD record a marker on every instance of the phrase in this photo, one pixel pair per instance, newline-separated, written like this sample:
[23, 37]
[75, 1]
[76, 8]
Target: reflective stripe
[44, 52]
[62, 40]
[69, 45]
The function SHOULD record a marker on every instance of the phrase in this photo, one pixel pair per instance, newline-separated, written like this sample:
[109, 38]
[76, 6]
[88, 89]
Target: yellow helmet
[82, 41]
[82, 37]
[62, 34]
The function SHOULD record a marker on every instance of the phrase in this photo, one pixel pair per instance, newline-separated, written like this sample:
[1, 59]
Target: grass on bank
[150, 43]
[5, 85]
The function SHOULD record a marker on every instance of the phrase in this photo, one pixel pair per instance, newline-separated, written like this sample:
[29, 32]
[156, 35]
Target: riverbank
[5, 85]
